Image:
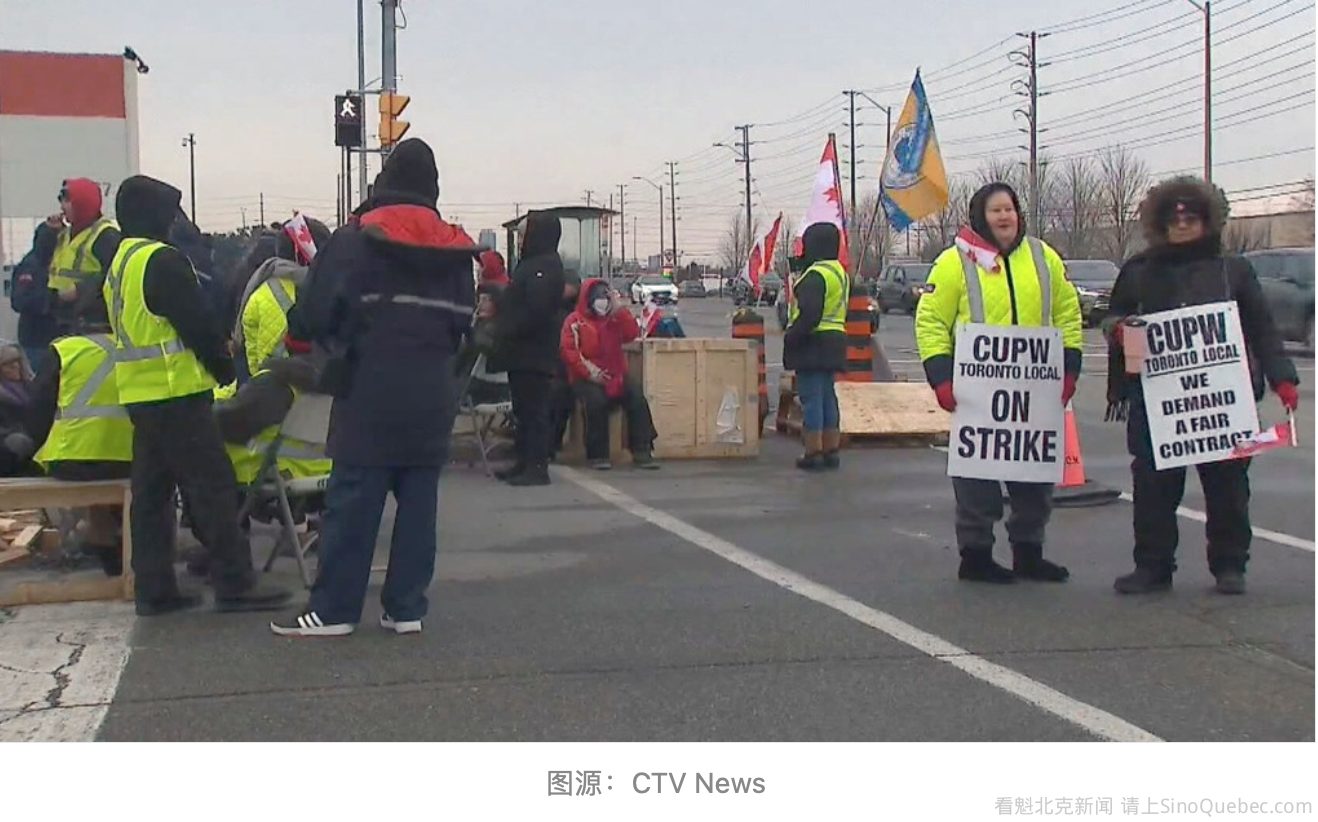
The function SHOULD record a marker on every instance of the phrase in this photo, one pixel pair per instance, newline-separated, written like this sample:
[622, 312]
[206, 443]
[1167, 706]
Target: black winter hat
[411, 169]
[821, 241]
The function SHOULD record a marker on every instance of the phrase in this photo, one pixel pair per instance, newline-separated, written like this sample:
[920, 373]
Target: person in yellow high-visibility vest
[815, 343]
[169, 355]
[269, 294]
[1029, 289]
[82, 432]
[84, 249]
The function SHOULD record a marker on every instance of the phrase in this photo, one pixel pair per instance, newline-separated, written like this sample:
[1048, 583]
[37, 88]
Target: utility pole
[191, 143]
[622, 222]
[589, 193]
[361, 92]
[388, 52]
[1030, 90]
[262, 208]
[746, 158]
[1206, 9]
[672, 204]
[660, 189]
[851, 124]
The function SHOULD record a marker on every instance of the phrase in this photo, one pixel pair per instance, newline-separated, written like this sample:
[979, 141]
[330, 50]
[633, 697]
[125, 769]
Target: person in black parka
[1183, 219]
[527, 326]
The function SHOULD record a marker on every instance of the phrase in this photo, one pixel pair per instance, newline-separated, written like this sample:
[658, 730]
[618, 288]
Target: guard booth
[584, 244]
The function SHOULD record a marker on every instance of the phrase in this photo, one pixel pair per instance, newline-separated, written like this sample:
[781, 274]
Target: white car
[660, 289]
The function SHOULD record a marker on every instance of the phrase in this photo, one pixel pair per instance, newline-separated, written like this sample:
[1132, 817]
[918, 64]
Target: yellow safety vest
[74, 260]
[152, 363]
[264, 320]
[837, 292]
[90, 424]
[297, 459]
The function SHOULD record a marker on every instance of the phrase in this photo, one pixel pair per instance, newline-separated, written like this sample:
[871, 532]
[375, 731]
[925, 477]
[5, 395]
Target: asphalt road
[745, 601]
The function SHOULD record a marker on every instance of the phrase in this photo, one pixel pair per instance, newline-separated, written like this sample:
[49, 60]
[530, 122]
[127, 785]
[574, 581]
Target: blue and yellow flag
[914, 183]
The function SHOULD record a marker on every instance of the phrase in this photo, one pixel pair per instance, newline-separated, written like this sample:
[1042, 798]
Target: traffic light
[391, 128]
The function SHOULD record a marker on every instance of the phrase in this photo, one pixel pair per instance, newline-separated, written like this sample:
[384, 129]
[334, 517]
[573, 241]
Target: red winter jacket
[591, 344]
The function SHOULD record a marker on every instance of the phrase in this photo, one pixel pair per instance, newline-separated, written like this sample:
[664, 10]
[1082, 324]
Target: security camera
[129, 54]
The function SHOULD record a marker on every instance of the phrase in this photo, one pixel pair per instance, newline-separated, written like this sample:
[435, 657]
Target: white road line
[59, 669]
[1199, 516]
[1098, 722]
[1261, 533]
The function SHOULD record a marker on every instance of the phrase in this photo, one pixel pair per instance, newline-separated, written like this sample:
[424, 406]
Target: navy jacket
[389, 299]
[29, 291]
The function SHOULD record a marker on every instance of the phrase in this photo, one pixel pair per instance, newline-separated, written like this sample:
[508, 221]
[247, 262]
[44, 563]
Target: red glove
[1118, 331]
[1289, 394]
[945, 399]
[1068, 388]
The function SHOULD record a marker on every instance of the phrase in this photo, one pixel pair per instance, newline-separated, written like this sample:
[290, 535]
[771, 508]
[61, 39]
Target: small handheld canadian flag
[1281, 435]
[650, 317]
[978, 249]
[300, 233]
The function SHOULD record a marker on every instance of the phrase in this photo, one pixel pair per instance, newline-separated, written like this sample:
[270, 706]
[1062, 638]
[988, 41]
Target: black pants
[561, 401]
[531, 406]
[176, 443]
[979, 507]
[1226, 497]
[1159, 493]
[598, 405]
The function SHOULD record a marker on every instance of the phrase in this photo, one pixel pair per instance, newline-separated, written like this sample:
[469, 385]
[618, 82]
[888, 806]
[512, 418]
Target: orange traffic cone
[1075, 490]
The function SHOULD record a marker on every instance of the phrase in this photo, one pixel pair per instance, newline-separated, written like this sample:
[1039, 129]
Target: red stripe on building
[42, 84]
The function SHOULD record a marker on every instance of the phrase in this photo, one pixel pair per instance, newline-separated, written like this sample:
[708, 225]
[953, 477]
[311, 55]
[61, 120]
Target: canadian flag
[826, 204]
[300, 233]
[1281, 435]
[761, 259]
[650, 317]
[984, 253]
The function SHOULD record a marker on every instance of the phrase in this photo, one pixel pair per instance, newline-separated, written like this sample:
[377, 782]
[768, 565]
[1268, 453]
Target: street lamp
[190, 143]
[1206, 9]
[660, 189]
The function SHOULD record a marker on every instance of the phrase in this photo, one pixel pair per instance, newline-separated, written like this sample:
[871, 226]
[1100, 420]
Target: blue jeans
[819, 410]
[354, 505]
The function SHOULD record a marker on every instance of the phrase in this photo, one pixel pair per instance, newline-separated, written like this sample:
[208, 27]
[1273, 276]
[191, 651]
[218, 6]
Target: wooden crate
[22, 493]
[686, 381]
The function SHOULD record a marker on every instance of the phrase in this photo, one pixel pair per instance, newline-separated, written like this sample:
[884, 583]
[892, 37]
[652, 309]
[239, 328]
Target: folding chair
[302, 435]
[484, 416]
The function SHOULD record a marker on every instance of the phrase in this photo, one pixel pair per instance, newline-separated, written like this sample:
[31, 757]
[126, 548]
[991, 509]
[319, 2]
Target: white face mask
[601, 306]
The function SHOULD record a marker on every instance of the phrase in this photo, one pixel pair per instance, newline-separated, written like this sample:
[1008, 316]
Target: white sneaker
[309, 623]
[406, 626]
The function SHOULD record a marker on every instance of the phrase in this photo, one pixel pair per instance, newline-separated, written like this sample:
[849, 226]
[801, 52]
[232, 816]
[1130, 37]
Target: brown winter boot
[813, 458]
[832, 445]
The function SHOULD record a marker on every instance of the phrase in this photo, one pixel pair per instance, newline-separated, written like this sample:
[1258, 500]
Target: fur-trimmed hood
[1159, 204]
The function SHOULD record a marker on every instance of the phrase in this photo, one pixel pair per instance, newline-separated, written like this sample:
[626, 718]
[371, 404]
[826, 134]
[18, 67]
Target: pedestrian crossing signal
[391, 128]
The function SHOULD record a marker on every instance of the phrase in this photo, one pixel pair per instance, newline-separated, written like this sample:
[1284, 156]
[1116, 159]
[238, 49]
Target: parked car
[901, 286]
[1093, 281]
[653, 287]
[691, 288]
[771, 285]
[1286, 275]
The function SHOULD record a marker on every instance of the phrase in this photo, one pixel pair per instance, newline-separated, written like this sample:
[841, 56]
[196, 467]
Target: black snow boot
[1144, 580]
[978, 566]
[1028, 563]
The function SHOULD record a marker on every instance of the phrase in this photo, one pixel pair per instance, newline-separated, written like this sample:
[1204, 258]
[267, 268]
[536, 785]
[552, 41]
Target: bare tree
[940, 229]
[1079, 209]
[1002, 170]
[872, 236]
[782, 251]
[1124, 179]
[1304, 201]
[1247, 234]
[735, 247]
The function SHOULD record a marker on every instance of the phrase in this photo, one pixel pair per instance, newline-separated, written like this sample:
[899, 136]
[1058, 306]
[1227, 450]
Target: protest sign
[1197, 388]
[1009, 413]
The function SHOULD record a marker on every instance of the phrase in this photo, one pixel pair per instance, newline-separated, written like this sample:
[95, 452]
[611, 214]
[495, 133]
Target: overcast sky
[536, 102]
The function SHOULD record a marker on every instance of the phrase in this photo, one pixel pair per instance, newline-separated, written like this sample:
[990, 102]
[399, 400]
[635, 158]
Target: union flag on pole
[826, 203]
[761, 258]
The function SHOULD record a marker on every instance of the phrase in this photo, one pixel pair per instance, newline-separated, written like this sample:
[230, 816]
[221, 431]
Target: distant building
[489, 238]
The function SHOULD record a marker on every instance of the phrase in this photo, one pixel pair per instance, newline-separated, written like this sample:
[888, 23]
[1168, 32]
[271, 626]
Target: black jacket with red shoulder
[389, 299]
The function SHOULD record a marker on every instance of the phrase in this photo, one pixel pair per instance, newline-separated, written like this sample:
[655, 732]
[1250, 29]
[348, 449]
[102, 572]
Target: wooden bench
[43, 492]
